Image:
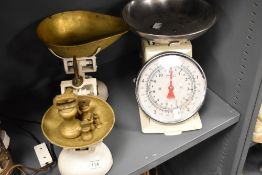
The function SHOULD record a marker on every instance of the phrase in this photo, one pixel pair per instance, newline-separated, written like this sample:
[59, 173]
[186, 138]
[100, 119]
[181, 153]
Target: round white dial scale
[171, 87]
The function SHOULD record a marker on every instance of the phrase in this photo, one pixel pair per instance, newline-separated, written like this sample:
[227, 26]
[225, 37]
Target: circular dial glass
[171, 87]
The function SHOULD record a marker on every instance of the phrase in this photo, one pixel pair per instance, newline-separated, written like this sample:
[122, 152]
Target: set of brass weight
[79, 119]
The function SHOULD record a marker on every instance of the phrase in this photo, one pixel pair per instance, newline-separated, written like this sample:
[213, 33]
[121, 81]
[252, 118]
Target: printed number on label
[95, 164]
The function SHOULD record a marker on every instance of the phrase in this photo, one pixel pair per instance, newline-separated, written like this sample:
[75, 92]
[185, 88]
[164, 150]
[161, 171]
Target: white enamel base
[97, 160]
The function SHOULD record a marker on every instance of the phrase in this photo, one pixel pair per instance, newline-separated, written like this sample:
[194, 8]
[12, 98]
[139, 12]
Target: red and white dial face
[171, 87]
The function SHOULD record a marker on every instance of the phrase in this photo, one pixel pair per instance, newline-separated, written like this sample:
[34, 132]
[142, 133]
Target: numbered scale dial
[171, 87]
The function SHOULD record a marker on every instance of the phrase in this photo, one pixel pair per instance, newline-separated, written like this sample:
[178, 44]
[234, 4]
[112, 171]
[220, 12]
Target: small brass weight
[78, 117]
[89, 120]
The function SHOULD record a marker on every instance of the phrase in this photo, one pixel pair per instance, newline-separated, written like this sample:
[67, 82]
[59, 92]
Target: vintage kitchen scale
[78, 121]
[171, 86]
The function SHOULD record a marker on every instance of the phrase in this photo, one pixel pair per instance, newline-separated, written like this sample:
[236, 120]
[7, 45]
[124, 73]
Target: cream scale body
[80, 133]
[171, 86]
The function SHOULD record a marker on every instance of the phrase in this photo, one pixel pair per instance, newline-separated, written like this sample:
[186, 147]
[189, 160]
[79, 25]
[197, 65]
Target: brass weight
[67, 106]
[89, 119]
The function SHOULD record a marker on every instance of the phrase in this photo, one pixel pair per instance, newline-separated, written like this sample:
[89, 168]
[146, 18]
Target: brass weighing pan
[80, 33]
[169, 19]
[51, 122]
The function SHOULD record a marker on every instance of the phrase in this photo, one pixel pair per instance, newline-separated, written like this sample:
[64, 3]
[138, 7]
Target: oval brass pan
[80, 33]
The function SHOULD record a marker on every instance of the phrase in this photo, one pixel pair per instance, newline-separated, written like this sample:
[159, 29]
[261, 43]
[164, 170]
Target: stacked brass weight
[77, 121]
[67, 106]
[89, 119]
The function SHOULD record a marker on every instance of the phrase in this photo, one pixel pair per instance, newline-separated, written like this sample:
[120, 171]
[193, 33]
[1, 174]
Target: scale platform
[169, 20]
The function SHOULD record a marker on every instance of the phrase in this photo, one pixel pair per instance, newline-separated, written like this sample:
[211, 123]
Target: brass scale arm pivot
[78, 79]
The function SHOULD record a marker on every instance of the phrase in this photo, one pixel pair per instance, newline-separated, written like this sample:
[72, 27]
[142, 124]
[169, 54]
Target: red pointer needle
[170, 94]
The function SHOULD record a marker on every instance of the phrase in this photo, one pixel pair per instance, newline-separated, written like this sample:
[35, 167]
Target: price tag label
[94, 164]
